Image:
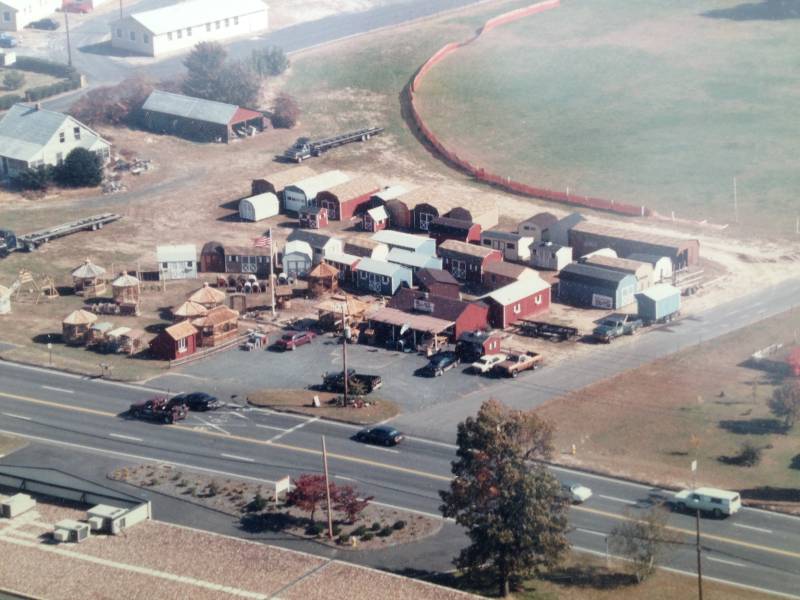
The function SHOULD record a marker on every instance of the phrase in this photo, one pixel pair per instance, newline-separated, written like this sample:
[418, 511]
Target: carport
[404, 328]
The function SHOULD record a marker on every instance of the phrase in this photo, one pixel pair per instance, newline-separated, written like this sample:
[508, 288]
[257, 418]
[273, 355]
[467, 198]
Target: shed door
[425, 221]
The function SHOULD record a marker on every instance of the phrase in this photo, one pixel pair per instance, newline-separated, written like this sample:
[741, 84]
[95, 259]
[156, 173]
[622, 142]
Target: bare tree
[785, 403]
[644, 539]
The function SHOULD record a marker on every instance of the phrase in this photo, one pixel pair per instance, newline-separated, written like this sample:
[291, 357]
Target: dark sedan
[441, 362]
[381, 434]
[46, 24]
[199, 401]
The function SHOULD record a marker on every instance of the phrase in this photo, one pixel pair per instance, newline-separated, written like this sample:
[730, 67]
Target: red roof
[244, 114]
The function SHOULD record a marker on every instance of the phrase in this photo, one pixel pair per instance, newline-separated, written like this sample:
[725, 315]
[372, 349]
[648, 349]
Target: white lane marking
[241, 416]
[591, 532]
[760, 529]
[209, 424]
[269, 411]
[57, 373]
[237, 457]
[13, 416]
[381, 449]
[149, 459]
[125, 437]
[343, 478]
[725, 562]
[58, 389]
[271, 427]
[433, 442]
[412, 510]
[615, 499]
[291, 429]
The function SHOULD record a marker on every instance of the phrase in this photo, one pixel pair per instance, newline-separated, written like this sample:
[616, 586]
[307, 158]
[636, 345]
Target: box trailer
[659, 304]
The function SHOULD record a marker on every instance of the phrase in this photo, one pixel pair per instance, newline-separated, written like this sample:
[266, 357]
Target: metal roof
[195, 12]
[660, 291]
[190, 108]
[413, 259]
[468, 249]
[264, 205]
[392, 316]
[354, 188]
[390, 193]
[298, 246]
[180, 330]
[514, 292]
[343, 258]
[439, 307]
[578, 271]
[625, 265]
[379, 267]
[61, 479]
[312, 186]
[398, 238]
[26, 130]
[176, 253]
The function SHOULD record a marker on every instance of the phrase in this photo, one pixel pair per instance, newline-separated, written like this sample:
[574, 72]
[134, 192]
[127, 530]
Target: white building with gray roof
[16, 14]
[31, 136]
[183, 25]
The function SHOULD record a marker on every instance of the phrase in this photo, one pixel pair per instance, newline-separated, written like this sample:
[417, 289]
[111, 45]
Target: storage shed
[662, 266]
[313, 217]
[439, 282]
[466, 316]
[660, 303]
[247, 260]
[471, 345]
[476, 209]
[558, 232]
[274, 183]
[428, 203]
[198, 119]
[387, 195]
[212, 258]
[217, 327]
[375, 219]
[589, 285]
[500, 274]
[379, 277]
[89, 279]
[551, 257]
[76, 326]
[321, 243]
[177, 262]
[413, 261]
[345, 264]
[447, 228]
[536, 225]
[515, 247]
[406, 241]
[641, 270]
[587, 236]
[301, 193]
[516, 301]
[297, 258]
[260, 207]
[366, 247]
[466, 262]
[176, 341]
[346, 199]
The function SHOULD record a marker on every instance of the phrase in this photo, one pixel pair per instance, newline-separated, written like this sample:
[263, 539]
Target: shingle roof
[190, 108]
[632, 235]
[125, 280]
[514, 292]
[390, 193]
[208, 295]
[418, 322]
[195, 12]
[506, 236]
[216, 316]
[323, 270]
[378, 214]
[465, 248]
[508, 269]
[428, 276]
[450, 225]
[542, 219]
[443, 308]
[189, 309]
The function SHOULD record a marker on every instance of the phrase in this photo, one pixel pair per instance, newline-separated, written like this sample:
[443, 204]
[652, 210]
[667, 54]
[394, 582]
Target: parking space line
[271, 427]
[235, 414]
[292, 429]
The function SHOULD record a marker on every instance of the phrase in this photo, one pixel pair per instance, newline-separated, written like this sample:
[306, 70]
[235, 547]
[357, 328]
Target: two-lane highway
[86, 417]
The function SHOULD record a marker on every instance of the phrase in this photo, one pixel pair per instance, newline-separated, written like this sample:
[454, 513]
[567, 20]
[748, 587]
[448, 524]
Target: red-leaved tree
[347, 502]
[309, 493]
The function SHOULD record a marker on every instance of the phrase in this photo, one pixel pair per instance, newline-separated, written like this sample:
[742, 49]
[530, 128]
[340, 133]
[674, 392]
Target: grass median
[374, 410]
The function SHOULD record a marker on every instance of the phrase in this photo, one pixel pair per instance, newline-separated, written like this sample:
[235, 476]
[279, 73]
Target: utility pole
[69, 46]
[345, 330]
[327, 488]
[271, 261]
[699, 561]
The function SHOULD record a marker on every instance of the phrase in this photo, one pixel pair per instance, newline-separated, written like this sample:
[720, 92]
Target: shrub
[38, 178]
[13, 80]
[285, 113]
[257, 504]
[385, 531]
[81, 168]
[183, 483]
[48, 67]
[749, 455]
[359, 531]
[367, 537]
[343, 538]
[10, 100]
[398, 525]
[315, 529]
[375, 526]
[212, 489]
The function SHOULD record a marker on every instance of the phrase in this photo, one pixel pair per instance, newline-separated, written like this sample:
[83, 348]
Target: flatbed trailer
[551, 331]
[305, 148]
[31, 241]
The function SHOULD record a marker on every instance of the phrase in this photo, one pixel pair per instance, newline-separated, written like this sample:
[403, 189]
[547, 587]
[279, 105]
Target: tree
[347, 501]
[238, 84]
[38, 178]
[13, 80]
[286, 112]
[785, 403]
[514, 512]
[81, 168]
[204, 66]
[113, 105]
[309, 492]
[270, 61]
[644, 540]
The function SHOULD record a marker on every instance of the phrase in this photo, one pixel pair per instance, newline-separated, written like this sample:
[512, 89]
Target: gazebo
[208, 296]
[189, 310]
[88, 279]
[219, 325]
[323, 278]
[75, 328]
[125, 290]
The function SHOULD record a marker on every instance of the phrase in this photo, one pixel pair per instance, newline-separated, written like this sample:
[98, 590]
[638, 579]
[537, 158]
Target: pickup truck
[334, 382]
[485, 363]
[615, 326]
[165, 410]
[518, 362]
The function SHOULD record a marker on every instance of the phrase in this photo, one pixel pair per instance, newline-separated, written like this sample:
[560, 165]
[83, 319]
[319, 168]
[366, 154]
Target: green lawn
[645, 101]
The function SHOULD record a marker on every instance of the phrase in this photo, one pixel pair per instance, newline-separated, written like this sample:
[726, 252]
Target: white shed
[297, 258]
[177, 261]
[256, 208]
[550, 256]
[662, 265]
[297, 196]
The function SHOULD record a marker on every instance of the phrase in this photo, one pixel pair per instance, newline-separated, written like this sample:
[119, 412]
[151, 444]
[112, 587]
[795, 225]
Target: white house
[182, 25]
[16, 14]
[31, 136]
[256, 208]
[550, 256]
[177, 262]
[297, 258]
[322, 244]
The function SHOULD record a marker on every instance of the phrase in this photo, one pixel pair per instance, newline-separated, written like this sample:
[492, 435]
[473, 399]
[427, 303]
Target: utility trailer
[306, 148]
[31, 241]
[550, 331]
[688, 280]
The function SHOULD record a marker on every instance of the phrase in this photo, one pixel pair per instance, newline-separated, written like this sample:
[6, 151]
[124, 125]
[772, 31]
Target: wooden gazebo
[188, 310]
[89, 279]
[77, 325]
[126, 290]
[218, 326]
[323, 278]
[208, 296]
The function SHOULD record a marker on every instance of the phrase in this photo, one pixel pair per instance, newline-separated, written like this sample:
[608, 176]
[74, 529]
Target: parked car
[76, 7]
[441, 362]
[46, 24]
[717, 503]
[7, 41]
[517, 362]
[576, 493]
[199, 401]
[485, 363]
[160, 408]
[334, 382]
[384, 435]
[292, 339]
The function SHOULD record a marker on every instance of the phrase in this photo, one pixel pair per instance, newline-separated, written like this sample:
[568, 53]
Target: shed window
[385, 280]
[59, 158]
[216, 24]
[6, 15]
[61, 137]
[517, 308]
[164, 265]
[509, 246]
[229, 258]
[188, 32]
[487, 242]
[182, 345]
[180, 33]
[363, 274]
[188, 264]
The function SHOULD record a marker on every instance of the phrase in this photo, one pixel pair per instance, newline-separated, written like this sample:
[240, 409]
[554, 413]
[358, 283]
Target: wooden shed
[218, 326]
[176, 341]
[346, 199]
[126, 292]
[212, 258]
[323, 278]
[89, 279]
[313, 217]
[76, 327]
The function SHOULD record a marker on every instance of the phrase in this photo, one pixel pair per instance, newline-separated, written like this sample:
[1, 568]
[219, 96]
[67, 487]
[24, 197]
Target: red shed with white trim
[517, 301]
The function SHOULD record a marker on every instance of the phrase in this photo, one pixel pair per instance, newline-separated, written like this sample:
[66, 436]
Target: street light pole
[120, 9]
[69, 45]
[699, 561]
[327, 488]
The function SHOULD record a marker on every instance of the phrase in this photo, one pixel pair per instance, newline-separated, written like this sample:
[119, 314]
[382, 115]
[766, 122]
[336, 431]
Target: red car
[75, 7]
[292, 339]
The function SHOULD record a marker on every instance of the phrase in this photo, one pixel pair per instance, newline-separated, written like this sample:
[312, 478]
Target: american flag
[262, 242]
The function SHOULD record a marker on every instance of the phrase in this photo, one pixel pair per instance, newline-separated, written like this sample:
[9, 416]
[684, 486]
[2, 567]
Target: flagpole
[272, 271]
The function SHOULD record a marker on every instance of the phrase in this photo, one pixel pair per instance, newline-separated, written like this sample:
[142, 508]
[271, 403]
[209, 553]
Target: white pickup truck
[485, 363]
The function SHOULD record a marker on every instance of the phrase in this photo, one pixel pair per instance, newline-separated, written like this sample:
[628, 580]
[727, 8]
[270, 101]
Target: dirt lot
[301, 401]
[641, 424]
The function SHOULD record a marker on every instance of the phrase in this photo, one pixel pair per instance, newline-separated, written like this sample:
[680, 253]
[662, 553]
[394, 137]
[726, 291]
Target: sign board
[601, 301]
[282, 486]
[423, 305]
[694, 466]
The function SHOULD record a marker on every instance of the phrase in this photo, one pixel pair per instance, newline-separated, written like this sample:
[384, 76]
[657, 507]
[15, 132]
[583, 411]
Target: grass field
[648, 102]
[641, 423]
[32, 80]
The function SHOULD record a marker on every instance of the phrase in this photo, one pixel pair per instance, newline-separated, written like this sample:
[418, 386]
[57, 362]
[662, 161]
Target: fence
[479, 172]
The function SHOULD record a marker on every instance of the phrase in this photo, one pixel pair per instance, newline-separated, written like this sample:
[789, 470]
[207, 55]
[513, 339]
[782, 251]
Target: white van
[708, 500]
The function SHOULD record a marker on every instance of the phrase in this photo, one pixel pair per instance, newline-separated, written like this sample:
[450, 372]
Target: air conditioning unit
[16, 505]
[71, 530]
[95, 523]
[61, 535]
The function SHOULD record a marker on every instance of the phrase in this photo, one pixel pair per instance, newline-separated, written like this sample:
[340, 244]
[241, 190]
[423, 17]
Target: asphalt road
[84, 419]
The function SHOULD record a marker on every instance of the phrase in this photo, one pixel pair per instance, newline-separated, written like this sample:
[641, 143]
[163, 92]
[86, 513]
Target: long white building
[16, 14]
[182, 25]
